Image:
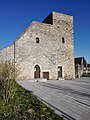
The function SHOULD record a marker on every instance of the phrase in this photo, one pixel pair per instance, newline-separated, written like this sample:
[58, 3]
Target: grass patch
[25, 106]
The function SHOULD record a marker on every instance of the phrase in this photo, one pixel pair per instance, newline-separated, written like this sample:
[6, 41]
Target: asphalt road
[69, 98]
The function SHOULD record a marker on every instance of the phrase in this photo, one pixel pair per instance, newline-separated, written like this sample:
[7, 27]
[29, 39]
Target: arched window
[63, 41]
[37, 40]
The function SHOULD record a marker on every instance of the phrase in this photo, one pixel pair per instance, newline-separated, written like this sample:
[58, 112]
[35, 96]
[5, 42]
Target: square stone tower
[63, 34]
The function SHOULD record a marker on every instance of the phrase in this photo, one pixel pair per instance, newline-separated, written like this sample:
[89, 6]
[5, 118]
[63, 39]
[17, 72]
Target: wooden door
[37, 72]
[59, 71]
[46, 75]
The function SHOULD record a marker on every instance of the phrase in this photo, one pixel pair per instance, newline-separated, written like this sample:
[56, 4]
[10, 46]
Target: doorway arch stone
[36, 71]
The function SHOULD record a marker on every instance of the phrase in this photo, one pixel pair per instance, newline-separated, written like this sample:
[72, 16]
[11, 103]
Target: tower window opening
[37, 40]
[63, 40]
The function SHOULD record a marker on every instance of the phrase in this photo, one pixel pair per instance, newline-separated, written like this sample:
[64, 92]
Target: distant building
[80, 66]
[88, 69]
[44, 50]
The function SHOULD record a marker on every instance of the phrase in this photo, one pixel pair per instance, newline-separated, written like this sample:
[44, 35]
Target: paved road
[69, 98]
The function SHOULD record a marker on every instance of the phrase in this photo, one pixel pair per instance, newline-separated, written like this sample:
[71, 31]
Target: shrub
[7, 81]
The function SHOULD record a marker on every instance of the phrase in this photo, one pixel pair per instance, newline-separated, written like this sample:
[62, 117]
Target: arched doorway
[37, 71]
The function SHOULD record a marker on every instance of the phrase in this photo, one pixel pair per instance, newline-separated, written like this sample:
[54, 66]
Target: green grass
[25, 106]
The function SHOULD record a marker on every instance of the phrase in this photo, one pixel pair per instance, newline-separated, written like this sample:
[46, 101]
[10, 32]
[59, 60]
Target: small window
[37, 40]
[66, 28]
[63, 41]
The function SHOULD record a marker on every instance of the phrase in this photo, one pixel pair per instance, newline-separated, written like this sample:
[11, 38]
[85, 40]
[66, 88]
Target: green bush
[7, 81]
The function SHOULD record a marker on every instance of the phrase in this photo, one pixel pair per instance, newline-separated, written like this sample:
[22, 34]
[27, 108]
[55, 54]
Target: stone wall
[64, 26]
[7, 53]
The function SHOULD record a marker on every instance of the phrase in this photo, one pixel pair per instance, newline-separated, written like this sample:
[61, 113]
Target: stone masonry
[44, 50]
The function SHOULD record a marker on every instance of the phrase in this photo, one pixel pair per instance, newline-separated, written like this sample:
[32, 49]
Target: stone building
[80, 66]
[44, 50]
[88, 68]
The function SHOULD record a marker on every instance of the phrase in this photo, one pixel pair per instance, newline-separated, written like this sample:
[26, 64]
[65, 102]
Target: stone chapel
[45, 49]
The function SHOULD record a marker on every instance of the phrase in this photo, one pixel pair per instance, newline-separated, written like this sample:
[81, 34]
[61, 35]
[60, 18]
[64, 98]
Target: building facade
[88, 69]
[44, 50]
[80, 66]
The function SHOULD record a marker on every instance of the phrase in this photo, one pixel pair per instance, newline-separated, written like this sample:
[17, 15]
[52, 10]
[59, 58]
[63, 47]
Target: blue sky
[16, 15]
